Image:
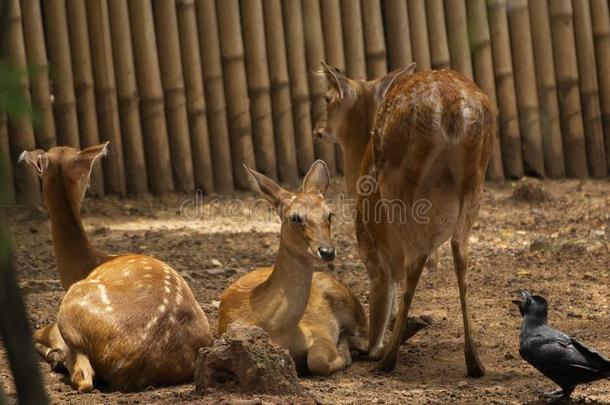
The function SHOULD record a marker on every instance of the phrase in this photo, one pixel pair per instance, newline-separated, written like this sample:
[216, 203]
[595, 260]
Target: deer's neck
[75, 256]
[355, 141]
[285, 293]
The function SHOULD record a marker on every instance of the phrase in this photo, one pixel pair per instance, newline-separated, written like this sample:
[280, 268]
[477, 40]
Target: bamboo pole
[58, 46]
[525, 83]
[154, 127]
[172, 81]
[105, 93]
[333, 47]
[457, 33]
[589, 94]
[236, 90]
[505, 87]
[419, 34]
[566, 70]
[195, 97]
[297, 70]
[601, 32]
[21, 132]
[257, 71]
[128, 98]
[547, 89]
[478, 32]
[6, 167]
[398, 36]
[353, 39]
[83, 85]
[280, 92]
[439, 48]
[315, 52]
[36, 50]
[215, 96]
[374, 41]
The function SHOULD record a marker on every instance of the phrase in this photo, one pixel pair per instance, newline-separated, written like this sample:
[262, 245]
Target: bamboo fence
[187, 91]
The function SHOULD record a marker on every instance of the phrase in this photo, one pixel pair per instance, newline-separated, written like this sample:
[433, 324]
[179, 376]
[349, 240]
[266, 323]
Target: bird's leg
[555, 395]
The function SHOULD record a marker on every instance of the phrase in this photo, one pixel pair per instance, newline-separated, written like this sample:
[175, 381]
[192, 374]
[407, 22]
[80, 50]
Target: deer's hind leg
[51, 346]
[459, 246]
[81, 372]
[324, 357]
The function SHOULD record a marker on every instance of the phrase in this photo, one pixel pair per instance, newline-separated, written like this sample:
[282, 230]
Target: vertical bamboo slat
[547, 90]
[58, 46]
[374, 41]
[478, 32]
[128, 98]
[419, 34]
[215, 96]
[154, 129]
[105, 93]
[333, 45]
[505, 87]
[172, 81]
[353, 39]
[299, 90]
[585, 52]
[6, 162]
[525, 82]
[439, 48]
[195, 97]
[83, 85]
[601, 33]
[257, 71]
[36, 51]
[398, 36]
[280, 92]
[457, 33]
[236, 90]
[21, 132]
[315, 52]
[566, 70]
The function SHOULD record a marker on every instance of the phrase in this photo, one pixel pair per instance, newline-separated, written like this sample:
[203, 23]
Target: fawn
[310, 313]
[410, 139]
[129, 319]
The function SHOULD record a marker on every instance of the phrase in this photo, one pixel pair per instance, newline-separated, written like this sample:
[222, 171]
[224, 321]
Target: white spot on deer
[152, 322]
[104, 294]
[167, 282]
[179, 298]
[165, 301]
[147, 276]
[172, 319]
[147, 267]
[131, 261]
[108, 308]
[167, 290]
[162, 308]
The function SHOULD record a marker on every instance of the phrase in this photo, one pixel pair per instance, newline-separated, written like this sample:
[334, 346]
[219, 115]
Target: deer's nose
[327, 253]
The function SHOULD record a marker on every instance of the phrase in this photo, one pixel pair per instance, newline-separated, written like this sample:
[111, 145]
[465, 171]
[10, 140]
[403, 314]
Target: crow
[561, 358]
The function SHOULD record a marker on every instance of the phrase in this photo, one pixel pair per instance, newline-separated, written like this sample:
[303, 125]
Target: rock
[245, 359]
[531, 190]
[216, 263]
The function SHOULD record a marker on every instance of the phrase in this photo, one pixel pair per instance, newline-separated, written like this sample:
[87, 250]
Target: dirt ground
[559, 248]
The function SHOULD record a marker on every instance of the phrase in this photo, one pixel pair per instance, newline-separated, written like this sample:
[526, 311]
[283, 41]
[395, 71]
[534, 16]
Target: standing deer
[310, 313]
[130, 319]
[422, 140]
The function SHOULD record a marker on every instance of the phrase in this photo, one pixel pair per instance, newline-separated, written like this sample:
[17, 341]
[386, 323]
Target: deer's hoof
[386, 365]
[56, 358]
[475, 368]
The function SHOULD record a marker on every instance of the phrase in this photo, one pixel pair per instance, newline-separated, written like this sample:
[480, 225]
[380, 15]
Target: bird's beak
[517, 302]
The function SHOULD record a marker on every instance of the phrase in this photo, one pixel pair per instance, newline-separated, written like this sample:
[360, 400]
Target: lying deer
[310, 313]
[130, 319]
[420, 141]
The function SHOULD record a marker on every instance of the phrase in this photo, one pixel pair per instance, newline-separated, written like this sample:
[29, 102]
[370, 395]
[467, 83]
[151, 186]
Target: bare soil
[559, 247]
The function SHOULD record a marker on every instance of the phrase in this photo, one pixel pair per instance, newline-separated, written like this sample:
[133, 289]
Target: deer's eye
[327, 98]
[296, 219]
[330, 216]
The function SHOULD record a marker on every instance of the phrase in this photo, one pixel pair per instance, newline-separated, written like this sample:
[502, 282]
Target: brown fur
[427, 138]
[130, 319]
[310, 313]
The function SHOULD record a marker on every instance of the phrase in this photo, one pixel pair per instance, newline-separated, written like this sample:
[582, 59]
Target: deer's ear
[36, 159]
[385, 83]
[265, 186]
[83, 162]
[336, 79]
[317, 179]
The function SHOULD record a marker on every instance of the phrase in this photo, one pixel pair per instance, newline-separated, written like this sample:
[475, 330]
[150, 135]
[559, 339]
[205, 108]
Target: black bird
[561, 358]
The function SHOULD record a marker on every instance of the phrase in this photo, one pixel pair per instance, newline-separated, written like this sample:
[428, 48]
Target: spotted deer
[310, 313]
[130, 320]
[410, 138]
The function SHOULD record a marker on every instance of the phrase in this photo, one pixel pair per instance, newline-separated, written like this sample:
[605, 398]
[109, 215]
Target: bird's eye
[296, 219]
